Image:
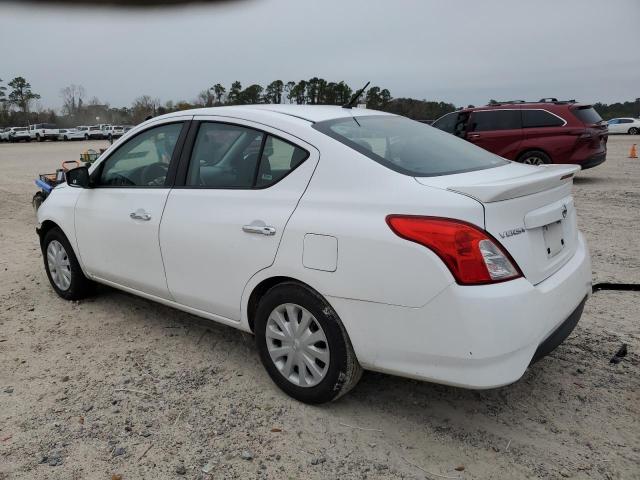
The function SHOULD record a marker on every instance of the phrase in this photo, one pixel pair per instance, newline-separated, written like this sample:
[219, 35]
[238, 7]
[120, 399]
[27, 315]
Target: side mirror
[78, 177]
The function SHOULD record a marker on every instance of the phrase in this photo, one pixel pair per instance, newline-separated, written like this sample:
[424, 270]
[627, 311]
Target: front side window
[488, 120]
[142, 161]
[540, 118]
[408, 147]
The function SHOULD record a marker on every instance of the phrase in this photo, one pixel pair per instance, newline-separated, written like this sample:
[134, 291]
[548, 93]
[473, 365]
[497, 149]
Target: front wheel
[534, 157]
[303, 345]
[62, 267]
[634, 131]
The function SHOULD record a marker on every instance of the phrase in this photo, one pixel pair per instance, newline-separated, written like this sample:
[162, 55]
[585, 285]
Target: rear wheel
[38, 137]
[62, 267]
[303, 344]
[534, 157]
[634, 131]
[86, 137]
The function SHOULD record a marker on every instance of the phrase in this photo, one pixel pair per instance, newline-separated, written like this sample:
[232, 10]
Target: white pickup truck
[43, 131]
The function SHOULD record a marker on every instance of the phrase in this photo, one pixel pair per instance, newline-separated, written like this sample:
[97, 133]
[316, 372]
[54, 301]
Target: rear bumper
[594, 160]
[471, 336]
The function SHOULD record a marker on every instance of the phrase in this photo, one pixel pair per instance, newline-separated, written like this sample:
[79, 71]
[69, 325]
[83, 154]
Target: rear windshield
[587, 115]
[408, 147]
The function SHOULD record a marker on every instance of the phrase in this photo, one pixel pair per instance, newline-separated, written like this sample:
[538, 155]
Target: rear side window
[408, 147]
[224, 156]
[234, 156]
[587, 115]
[495, 120]
[540, 118]
[625, 120]
[277, 160]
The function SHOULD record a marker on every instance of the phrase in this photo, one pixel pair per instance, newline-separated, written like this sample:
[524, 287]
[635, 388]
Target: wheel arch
[533, 149]
[46, 226]
[264, 285]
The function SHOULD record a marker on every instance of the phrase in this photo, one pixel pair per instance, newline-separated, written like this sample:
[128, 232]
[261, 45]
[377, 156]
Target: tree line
[18, 98]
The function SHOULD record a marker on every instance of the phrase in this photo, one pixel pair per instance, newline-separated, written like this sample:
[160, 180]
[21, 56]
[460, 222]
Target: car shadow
[451, 411]
[589, 180]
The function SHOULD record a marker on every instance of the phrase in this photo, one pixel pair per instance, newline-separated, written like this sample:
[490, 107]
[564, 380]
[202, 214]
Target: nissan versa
[344, 239]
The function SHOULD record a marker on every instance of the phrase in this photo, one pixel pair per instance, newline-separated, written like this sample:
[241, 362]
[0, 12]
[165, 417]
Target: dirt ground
[117, 385]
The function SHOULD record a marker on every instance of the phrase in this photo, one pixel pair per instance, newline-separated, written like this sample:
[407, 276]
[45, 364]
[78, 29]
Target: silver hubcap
[297, 345]
[59, 266]
[533, 161]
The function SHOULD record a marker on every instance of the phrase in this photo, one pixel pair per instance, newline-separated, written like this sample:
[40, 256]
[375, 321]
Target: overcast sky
[461, 52]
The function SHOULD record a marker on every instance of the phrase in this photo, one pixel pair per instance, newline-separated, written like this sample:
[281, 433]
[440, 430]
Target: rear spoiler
[541, 178]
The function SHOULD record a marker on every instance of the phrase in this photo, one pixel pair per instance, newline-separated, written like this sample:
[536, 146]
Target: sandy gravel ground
[117, 385]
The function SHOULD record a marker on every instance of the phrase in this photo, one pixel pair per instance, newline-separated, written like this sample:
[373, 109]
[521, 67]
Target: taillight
[471, 254]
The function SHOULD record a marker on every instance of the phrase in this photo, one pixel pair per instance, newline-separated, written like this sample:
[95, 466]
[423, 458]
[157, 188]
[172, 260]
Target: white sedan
[344, 239]
[624, 125]
[70, 134]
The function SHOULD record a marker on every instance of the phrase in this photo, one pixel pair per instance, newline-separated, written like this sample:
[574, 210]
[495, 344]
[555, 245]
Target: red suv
[535, 133]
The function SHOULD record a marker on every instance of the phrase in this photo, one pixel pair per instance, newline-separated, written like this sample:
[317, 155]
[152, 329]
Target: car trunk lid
[529, 210]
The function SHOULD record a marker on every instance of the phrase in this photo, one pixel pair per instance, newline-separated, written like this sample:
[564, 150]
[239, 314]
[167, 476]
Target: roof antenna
[355, 98]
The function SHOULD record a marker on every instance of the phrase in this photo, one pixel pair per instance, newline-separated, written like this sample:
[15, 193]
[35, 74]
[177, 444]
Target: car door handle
[140, 215]
[260, 229]
[474, 135]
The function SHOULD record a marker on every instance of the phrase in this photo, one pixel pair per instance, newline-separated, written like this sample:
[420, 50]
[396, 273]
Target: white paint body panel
[399, 303]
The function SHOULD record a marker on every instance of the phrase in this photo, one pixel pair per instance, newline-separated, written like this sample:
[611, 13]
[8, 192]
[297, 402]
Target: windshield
[408, 147]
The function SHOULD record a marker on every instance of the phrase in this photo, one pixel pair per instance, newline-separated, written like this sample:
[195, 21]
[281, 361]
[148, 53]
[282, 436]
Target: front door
[118, 219]
[241, 183]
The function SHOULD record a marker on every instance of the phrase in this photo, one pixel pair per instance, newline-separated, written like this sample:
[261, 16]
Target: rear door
[497, 130]
[240, 183]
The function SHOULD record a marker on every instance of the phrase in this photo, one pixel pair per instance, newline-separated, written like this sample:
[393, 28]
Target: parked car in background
[112, 132]
[534, 133]
[92, 132]
[462, 268]
[18, 134]
[126, 128]
[43, 131]
[624, 125]
[4, 134]
[70, 134]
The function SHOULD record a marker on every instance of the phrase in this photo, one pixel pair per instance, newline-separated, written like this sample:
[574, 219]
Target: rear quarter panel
[349, 198]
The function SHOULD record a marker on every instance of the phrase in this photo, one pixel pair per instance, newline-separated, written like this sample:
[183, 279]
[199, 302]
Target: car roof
[309, 113]
[550, 106]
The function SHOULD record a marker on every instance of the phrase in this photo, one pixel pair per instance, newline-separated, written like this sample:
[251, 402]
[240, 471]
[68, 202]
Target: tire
[337, 377]
[78, 286]
[39, 138]
[534, 157]
[634, 131]
[86, 137]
